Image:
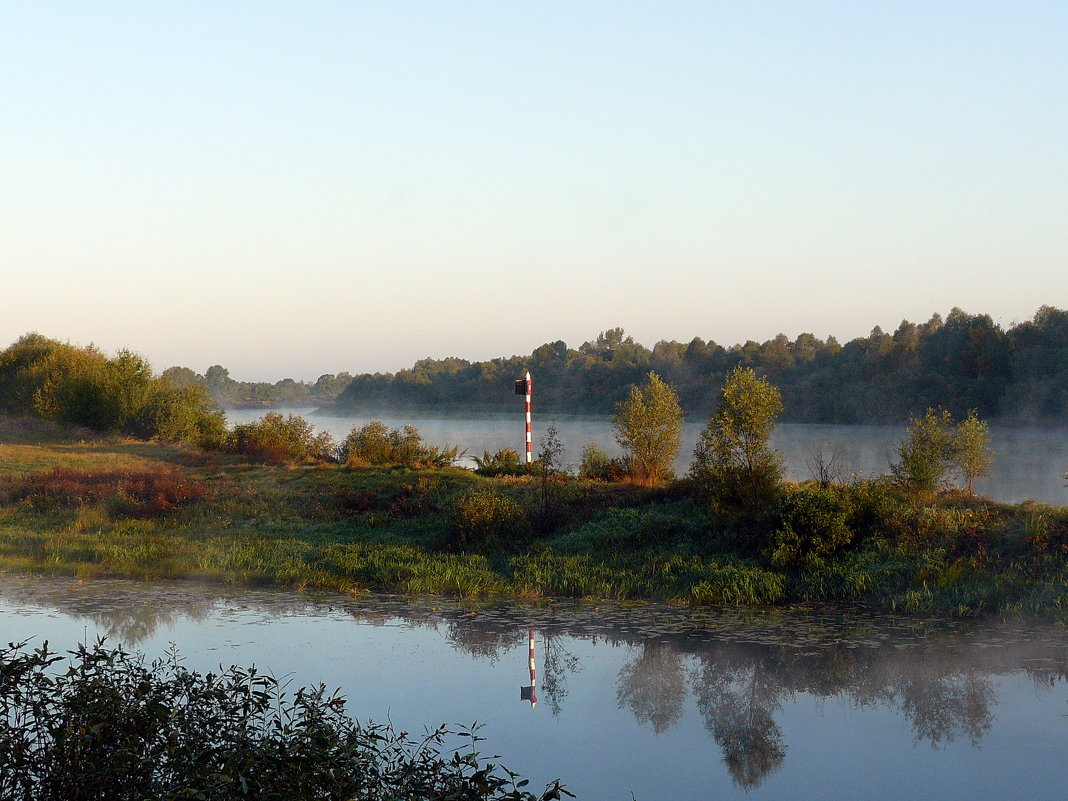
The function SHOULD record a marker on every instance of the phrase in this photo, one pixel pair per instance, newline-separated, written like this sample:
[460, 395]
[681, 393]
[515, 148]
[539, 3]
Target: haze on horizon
[291, 190]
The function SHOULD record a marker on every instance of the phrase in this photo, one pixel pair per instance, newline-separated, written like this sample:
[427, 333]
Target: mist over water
[1029, 462]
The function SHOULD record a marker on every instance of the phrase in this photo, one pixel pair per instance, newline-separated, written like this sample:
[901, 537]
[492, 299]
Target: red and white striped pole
[530, 458]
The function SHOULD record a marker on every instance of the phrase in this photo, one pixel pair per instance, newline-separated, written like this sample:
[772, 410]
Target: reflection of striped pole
[533, 673]
[530, 458]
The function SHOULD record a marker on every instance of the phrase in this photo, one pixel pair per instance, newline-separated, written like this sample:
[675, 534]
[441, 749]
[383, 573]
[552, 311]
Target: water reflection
[530, 692]
[738, 699]
[741, 671]
[558, 664]
[653, 686]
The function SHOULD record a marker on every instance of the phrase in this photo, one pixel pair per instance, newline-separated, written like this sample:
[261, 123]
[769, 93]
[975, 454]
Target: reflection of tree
[557, 663]
[944, 707]
[737, 703]
[653, 685]
[134, 623]
[486, 643]
[941, 698]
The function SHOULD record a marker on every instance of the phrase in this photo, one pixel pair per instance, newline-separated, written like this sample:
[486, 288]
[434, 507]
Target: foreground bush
[812, 526]
[111, 727]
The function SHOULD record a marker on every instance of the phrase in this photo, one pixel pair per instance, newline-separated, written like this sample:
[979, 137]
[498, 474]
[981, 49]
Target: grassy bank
[120, 507]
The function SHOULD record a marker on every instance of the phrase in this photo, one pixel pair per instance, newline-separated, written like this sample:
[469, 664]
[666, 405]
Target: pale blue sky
[297, 188]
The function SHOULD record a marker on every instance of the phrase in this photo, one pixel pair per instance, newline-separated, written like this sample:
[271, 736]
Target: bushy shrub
[82, 386]
[923, 456]
[963, 532]
[812, 525]
[484, 521]
[111, 727]
[936, 450]
[623, 530]
[875, 502]
[374, 443]
[279, 439]
[184, 414]
[504, 462]
[597, 465]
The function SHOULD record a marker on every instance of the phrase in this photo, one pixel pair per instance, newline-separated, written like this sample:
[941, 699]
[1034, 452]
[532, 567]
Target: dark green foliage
[376, 444]
[109, 726]
[485, 521]
[873, 501]
[812, 525]
[1047, 531]
[669, 527]
[277, 439]
[962, 362]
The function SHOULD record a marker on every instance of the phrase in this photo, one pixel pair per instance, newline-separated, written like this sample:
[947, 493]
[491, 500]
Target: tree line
[227, 391]
[959, 363]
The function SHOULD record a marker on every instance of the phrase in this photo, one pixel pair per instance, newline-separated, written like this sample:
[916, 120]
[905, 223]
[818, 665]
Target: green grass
[94, 508]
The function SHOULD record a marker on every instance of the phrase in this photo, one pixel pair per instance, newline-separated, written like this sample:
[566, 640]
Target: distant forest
[960, 363]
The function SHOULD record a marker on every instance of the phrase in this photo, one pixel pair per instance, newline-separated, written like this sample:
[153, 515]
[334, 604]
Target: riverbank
[128, 508]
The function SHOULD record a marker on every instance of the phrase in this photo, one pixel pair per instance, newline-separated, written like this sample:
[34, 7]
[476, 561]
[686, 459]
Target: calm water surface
[661, 702]
[1029, 462]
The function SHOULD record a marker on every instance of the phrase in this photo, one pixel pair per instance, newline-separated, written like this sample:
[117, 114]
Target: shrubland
[122, 507]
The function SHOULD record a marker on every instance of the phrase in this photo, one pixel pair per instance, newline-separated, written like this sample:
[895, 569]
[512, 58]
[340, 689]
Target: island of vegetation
[109, 470]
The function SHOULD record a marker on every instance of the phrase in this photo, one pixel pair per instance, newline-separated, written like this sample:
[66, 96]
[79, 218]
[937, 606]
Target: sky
[291, 189]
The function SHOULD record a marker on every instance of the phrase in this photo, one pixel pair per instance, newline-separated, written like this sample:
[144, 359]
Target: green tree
[972, 452]
[927, 452]
[181, 377]
[648, 427]
[734, 462]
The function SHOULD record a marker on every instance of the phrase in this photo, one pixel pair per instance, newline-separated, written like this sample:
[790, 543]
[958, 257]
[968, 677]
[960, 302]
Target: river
[661, 702]
[1030, 462]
